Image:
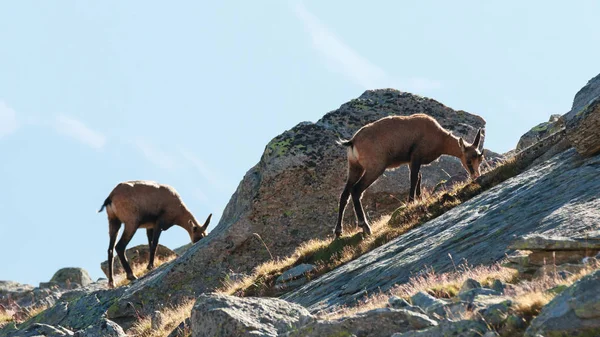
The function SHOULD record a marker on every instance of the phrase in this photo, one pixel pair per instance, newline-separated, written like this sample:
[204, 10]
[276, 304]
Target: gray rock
[585, 96]
[543, 242]
[138, 255]
[182, 330]
[583, 130]
[573, 312]
[425, 301]
[540, 131]
[496, 314]
[396, 302]
[295, 272]
[39, 329]
[104, 328]
[157, 320]
[469, 284]
[498, 286]
[374, 323]
[221, 315]
[66, 277]
[556, 198]
[471, 294]
[463, 328]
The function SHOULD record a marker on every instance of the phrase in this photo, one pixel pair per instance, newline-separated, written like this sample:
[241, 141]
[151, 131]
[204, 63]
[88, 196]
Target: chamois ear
[461, 143]
[205, 226]
[478, 140]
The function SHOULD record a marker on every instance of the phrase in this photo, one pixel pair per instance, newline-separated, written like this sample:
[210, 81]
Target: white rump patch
[111, 209]
[353, 154]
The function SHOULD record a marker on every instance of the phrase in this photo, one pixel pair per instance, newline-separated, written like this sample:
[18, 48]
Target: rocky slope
[290, 196]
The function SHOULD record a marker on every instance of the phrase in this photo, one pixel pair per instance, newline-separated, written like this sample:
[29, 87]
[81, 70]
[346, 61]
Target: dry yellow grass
[171, 318]
[139, 270]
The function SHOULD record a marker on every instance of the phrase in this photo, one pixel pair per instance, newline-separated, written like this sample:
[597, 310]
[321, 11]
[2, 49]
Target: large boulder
[221, 315]
[574, 312]
[291, 196]
[138, 255]
[71, 277]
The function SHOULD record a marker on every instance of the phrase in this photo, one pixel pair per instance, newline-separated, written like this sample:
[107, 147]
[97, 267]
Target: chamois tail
[344, 142]
[106, 203]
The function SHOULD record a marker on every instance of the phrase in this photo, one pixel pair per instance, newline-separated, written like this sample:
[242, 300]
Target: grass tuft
[139, 270]
[171, 318]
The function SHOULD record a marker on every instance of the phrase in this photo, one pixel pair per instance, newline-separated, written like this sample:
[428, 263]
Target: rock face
[139, 255]
[374, 323]
[540, 131]
[222, 315]
[583, 130]
[574, 312]
[584, 97]
[559, 197]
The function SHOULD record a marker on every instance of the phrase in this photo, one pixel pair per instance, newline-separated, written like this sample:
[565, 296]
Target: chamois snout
[198, 231]
[472, 157]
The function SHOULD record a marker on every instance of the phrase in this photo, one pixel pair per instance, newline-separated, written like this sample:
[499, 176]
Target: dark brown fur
[145, 204]
[393, 141]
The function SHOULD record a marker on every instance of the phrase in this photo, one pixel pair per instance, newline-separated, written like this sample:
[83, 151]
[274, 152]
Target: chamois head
[199, 232]
[472, 157]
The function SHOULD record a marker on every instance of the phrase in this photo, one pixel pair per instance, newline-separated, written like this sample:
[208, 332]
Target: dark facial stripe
[471, 168]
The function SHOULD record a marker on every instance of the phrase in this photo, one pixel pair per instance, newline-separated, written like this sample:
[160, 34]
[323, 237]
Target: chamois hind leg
[414, 180]
[154, 243]
[123, 241]
[365, 181]
[354, 174]
[113, 230]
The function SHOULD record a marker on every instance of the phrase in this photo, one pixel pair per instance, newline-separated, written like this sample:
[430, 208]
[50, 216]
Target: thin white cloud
[341, 57]
[8, 120]
[79, 131]
[207, 173]
[345, 60]
[155, 155]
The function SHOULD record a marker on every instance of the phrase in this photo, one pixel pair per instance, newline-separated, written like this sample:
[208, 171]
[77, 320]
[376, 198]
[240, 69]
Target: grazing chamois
[150, 205]
[392, 141]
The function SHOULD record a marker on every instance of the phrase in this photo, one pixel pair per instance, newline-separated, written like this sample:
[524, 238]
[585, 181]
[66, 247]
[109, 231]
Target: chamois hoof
[366, 230]
[150, 267]
[131, 277]
[111, 285]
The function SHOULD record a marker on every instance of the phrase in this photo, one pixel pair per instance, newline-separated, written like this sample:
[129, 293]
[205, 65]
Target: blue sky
[188, 93]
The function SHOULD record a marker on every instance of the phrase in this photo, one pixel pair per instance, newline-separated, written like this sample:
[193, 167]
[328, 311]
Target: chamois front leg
[414, 179]
[154, 243]
[121, 245]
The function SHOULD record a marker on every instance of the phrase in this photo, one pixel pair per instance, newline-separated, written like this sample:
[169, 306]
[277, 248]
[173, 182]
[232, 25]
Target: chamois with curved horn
[150, 205]
[392, 141]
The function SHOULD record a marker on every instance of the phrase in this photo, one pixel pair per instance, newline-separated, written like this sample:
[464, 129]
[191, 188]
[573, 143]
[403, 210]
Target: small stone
[469, 284]
[498, 286]
[296, 272]
[157, 320]
[398, 302]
